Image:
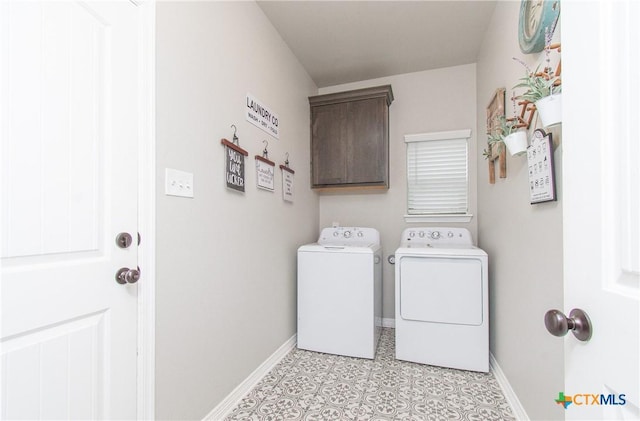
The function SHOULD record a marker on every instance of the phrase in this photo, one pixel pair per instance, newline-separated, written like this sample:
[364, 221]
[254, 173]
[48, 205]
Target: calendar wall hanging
[542, 183]
[234, 163]
[287, 181]
[265, 170]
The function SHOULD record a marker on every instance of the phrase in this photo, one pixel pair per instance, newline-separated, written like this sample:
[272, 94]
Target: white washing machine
[442, 301]
[340, 292]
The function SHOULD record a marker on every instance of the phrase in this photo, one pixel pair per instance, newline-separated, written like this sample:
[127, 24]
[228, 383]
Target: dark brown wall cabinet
[350, 138]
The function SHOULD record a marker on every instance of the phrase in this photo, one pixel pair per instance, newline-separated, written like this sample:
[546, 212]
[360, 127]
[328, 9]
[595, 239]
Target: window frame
[464, 134]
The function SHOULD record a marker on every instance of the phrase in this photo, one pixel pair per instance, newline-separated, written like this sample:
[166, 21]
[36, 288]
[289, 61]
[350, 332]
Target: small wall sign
[234, 168]
[542, 183]
[287, 183]
[262, 117]
[265, 173]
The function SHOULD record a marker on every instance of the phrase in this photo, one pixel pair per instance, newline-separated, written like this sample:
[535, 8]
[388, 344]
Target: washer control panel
[434, 236]
[349, 236]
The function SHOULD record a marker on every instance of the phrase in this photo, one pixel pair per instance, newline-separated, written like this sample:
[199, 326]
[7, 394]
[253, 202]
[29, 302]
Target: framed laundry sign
[542, 183]
[234, 165]
[265, 173]
[287, 183]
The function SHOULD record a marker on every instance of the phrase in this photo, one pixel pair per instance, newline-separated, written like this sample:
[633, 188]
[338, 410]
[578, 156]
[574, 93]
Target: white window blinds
[437, 173]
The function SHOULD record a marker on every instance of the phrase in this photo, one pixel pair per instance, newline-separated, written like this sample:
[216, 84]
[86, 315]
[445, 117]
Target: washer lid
[336, 248]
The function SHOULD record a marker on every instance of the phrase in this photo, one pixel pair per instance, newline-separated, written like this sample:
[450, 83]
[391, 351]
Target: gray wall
[524, 241]
[429, 101]
[226, 261]
[225, 304]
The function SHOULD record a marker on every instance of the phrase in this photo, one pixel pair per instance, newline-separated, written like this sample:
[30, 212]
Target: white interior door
[601, 58]
[69, 127]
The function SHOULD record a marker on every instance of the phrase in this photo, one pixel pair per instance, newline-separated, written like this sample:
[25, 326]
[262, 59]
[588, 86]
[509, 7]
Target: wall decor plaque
[287, 183]
[265, 173]
[495, 110]
[234, 165]
[262, 117]
[542, 183]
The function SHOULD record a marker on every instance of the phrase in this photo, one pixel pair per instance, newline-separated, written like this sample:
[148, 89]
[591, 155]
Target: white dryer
[442, 301]
[340, 292]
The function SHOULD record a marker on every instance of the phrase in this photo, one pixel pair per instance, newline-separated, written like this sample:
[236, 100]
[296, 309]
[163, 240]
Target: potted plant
[545, 91]
[507, 133]
[515, 139]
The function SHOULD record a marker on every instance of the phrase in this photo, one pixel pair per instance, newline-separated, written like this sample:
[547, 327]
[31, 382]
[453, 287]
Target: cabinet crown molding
[354, 95]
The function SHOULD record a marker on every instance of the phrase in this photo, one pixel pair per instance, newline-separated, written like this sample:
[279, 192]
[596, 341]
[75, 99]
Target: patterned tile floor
[312, 386]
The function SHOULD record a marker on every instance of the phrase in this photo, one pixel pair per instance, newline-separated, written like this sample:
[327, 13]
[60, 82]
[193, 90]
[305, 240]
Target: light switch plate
[178, 183]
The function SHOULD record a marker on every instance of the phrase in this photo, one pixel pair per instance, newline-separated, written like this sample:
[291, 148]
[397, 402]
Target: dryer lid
[443, 251]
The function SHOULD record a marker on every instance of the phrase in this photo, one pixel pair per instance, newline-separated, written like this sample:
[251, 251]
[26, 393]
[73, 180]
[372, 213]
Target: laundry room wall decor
[262, 117]
[234, 163]
[496, 151]
[542, 184]
[265, 170]
[287, 181]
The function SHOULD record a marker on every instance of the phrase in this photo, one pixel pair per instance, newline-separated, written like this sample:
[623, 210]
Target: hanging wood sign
[495, 110]
[265, 173]
[287, 183]
[234, 168]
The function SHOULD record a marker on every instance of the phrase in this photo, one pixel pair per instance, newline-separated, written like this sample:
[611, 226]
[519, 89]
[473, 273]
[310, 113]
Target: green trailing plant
[496, 137]
[539, 84]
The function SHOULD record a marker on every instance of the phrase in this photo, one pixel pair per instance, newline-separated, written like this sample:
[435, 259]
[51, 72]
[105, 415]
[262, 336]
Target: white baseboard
[389, 323]
[231, 401]
[509, 393]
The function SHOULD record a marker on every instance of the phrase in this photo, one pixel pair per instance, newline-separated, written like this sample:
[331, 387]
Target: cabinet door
[367, 147]
[329, 144]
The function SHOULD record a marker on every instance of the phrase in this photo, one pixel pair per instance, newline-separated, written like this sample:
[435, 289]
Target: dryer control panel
[435, 236]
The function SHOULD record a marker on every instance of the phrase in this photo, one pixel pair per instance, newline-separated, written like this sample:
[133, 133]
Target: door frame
[146, 213]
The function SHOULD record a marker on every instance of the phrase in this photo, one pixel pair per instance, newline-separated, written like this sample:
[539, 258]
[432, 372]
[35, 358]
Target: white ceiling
[346, 41]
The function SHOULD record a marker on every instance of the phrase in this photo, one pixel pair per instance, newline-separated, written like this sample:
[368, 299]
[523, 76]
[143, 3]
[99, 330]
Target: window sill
[439, 218]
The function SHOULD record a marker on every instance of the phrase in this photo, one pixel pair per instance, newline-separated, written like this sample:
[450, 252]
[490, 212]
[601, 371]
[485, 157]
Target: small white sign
[287, 185]
[265, 175]
[262, 117]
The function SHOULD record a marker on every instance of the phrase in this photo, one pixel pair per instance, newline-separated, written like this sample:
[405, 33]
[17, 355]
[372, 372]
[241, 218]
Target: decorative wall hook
[265, 152]
[527, 111]
[286, 159]
[235, 139]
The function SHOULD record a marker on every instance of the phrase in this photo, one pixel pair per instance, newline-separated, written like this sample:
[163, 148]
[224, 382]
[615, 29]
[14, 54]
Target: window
[438, 176]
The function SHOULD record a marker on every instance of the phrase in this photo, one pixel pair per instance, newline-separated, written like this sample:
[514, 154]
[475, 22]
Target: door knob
[127, 276]
[578, 323]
